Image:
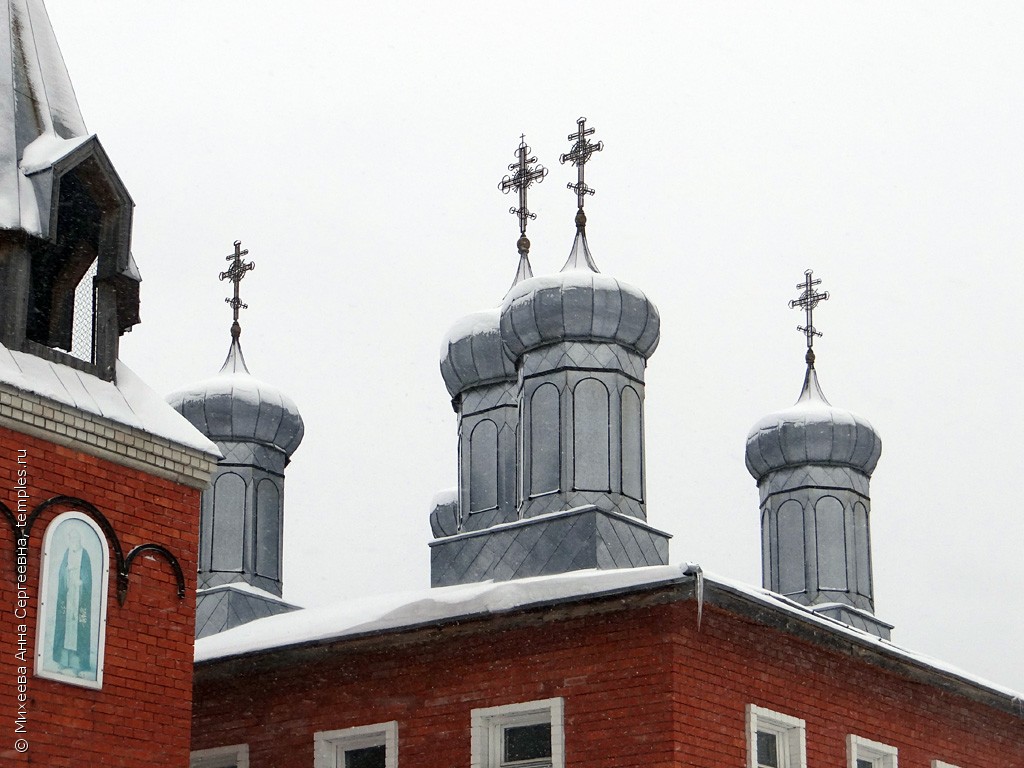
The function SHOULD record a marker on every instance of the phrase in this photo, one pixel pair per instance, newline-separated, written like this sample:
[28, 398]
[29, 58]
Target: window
[940, 764]
[863, 753]
[366, 746]
[526, 735]
[774, 740]
[235, 756]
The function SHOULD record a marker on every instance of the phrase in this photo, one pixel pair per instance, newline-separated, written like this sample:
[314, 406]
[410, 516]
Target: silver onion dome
[472, 354]
[578, 304]
[812, 432]
[234, 406]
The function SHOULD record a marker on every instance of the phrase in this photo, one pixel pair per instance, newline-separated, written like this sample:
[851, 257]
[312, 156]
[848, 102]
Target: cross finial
[522, 179]
[807, 301]
[235, 273]
[580, 155]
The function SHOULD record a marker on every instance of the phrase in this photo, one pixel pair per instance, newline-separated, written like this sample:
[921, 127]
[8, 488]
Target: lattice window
[82, 325]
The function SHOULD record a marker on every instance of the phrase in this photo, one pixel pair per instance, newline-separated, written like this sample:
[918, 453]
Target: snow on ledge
[402, 610]
[129, 401]
[408, 610]
[243, 587]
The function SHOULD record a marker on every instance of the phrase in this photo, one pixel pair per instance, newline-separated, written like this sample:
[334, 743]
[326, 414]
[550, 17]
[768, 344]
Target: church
[142, 601]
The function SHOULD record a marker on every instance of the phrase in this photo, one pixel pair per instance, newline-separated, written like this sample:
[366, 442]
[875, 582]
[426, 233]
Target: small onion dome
[472, 355]
[233, 406]
[812, 432]
[578, 304]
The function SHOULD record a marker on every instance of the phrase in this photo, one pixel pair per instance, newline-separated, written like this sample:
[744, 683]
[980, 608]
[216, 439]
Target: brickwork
[141, 714]
[86, 432]
[641, 687]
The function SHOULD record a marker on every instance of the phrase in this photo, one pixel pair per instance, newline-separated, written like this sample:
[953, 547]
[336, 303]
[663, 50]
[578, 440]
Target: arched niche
[830, 535]
[72, 617]
[792, 555]
[483, 466]
[227, 535]
[268, 529]
[545, 440]
[862, 548]
[632, 444]
[591, 433]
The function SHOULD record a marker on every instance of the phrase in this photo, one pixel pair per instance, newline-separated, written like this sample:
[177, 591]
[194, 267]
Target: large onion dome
[472, 355]
[234, 406]
[812, 432]
[578, 304]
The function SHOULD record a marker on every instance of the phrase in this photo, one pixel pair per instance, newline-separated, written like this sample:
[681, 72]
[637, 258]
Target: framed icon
[72, 616]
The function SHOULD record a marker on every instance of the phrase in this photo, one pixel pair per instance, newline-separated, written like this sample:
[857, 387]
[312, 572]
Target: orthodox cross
[807, 301]
[580, 155]
[521, 180]
[235, 273]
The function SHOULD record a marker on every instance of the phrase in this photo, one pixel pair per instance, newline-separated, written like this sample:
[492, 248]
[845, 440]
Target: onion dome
[578, 304]
[472, 355]
[812, 432]
[235, 407]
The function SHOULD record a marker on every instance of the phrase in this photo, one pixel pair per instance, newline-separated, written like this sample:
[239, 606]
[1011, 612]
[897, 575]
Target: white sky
[356, 152]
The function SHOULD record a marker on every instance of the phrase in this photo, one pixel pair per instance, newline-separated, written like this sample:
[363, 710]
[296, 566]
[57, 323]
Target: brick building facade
[646, 675]
[140, 715]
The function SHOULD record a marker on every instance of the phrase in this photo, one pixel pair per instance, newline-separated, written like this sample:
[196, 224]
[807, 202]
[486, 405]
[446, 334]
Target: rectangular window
[365, 746]
[864, 753]
[235, 756]
[940, 764]
[775, 740]
[524, 735]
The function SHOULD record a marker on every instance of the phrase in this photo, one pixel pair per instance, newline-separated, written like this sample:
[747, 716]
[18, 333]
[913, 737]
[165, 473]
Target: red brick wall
[141, 715]
[641, 687]
[733, 662]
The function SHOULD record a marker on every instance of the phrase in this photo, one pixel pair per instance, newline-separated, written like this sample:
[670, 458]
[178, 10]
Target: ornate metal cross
[235, 273]
[522, 179]
[807, 301]
[580, 155]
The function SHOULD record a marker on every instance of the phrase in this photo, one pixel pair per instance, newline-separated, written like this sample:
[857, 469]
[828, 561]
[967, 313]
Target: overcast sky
[356, 150]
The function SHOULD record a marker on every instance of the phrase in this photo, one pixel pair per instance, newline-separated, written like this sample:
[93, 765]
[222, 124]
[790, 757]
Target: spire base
[580, 256]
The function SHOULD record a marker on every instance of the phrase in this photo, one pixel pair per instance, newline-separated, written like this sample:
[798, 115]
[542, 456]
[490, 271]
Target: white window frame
[329, 745]
[791, 732]
[221, 757]
[879, 755]
[488, 723]
[940, 764]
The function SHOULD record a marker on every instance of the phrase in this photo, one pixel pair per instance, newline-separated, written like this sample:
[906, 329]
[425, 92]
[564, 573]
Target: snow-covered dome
[234, 406]
[472, 354]
[812, 432]
[581, 304]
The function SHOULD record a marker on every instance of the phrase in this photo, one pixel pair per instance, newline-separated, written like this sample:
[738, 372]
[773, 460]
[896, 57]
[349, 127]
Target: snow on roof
[403, 610]
[35, 90]
[243, 587]
[409, 610]
[129, 401]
